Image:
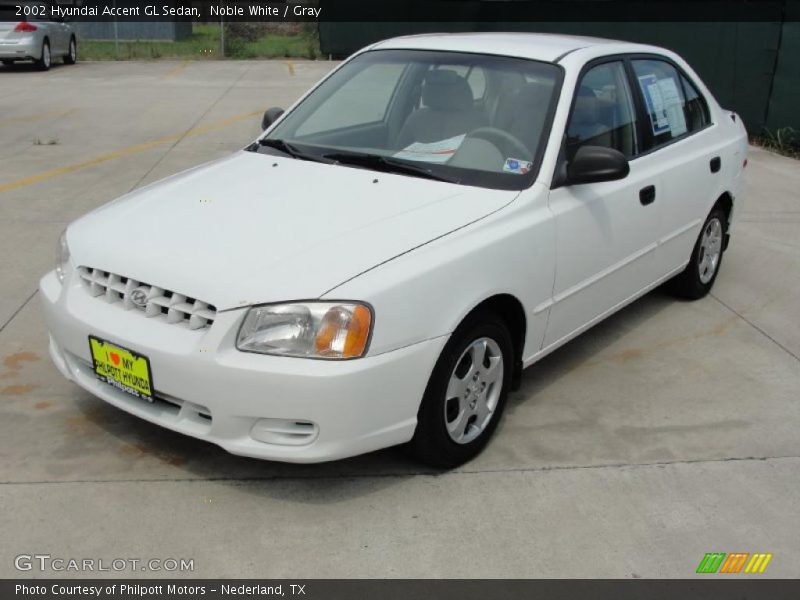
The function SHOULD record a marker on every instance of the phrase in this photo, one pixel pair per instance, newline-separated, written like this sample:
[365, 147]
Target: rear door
[677, 138]
[64, 30]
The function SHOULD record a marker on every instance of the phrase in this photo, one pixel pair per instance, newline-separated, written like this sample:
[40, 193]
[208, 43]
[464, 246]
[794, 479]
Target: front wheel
[44, 62]
[71, 57]
[698, 277]
[466, 393]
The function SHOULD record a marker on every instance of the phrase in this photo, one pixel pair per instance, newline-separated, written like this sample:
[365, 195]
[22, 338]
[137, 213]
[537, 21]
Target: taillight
[25, 27]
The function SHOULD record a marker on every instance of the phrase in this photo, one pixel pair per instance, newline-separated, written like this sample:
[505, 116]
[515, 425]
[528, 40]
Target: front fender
[427, 292]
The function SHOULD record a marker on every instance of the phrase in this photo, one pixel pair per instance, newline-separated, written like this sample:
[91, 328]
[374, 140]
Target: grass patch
[48, 142]
[204, 43]
[785, 141]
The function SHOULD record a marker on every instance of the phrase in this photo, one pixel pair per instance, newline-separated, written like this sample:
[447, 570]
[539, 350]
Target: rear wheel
[466, 393]
[698, 277]
[71, 57]
[44, 62]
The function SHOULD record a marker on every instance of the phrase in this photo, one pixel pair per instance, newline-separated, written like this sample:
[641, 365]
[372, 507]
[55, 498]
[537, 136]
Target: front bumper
[209, 390]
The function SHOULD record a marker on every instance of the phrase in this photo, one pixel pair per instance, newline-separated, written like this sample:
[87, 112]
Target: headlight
[332, 330]
[62, 257]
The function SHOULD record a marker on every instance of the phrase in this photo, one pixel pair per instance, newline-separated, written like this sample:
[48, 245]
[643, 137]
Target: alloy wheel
[710, 250]
[474, 390]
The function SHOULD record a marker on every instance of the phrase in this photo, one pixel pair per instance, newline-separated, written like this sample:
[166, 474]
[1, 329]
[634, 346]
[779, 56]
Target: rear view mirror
[272, 115]
[593, 164]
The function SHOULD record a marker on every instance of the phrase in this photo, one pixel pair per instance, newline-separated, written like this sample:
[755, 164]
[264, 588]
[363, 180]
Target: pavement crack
[756, 327]
[16, 312]
[407, 474]
[193, 126]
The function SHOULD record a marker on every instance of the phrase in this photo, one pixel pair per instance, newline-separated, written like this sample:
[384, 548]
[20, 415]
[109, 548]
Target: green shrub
[248, 32]
[785, 140]
[235, 47]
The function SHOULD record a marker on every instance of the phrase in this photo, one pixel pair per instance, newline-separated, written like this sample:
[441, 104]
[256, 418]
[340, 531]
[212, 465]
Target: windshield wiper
[290, 149]
[386, 164]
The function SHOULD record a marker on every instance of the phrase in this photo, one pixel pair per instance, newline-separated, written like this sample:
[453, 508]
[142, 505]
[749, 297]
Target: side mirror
[272, 115]
[593, 164]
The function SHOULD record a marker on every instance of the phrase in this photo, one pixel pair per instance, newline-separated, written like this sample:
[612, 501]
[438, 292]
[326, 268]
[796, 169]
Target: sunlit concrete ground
[668, 431]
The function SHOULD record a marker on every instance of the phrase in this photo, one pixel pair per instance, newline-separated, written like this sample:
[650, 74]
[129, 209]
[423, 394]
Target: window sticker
[664, 105]
[673, 106]
[433, 152]
[517, 166]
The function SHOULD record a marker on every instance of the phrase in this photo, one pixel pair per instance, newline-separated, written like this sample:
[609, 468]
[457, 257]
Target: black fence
[751, 66]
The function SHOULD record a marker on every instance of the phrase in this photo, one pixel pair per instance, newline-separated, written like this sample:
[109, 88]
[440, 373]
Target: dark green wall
[784, 102]
[739, 61]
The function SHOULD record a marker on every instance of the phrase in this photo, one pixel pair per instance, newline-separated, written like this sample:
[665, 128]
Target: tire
[448, 433]
[71, 57]
[46, 60]
[697, 279]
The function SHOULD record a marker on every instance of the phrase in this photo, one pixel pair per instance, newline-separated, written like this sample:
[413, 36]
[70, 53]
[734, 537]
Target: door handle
[715, 164]
[647, 195]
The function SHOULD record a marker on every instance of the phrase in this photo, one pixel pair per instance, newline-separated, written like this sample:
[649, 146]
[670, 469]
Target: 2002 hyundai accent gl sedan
[436, 214]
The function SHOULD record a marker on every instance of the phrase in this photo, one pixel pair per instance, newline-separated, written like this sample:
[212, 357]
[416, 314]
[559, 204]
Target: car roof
[538, 46]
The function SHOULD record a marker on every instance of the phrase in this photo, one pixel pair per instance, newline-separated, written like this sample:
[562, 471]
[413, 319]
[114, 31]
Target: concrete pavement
[668, 431]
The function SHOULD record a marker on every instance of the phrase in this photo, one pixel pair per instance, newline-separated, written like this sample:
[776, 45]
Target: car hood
[254, 228]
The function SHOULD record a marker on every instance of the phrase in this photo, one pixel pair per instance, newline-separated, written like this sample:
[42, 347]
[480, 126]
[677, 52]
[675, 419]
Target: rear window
[675, 108]
[696, 106]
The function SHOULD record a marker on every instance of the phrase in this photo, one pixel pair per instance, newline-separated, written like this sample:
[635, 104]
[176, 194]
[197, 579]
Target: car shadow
[584, 348]
[30, 67]
[185, 458]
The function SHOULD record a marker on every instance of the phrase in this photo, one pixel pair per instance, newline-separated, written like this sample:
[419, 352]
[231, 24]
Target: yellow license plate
[125, 370]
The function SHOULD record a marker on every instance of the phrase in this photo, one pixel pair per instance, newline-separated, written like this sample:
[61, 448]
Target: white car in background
[28, 33]
[438, 213]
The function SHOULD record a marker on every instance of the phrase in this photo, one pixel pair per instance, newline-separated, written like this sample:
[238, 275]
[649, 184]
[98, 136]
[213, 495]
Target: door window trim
[642, 116]
[559, 174]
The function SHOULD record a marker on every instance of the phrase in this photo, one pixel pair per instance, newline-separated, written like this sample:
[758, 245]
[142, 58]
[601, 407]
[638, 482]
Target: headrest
[518, 105]
[586, 106]
[532, 96]
[445, 90]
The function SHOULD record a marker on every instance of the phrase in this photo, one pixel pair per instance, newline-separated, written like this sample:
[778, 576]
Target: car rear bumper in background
[287, 409]
[20, 49]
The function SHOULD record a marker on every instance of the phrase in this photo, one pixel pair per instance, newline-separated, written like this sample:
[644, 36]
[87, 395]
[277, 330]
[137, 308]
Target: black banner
[404, 10]
[405, 589]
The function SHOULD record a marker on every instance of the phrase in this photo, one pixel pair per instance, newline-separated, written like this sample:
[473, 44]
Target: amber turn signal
[344, 332]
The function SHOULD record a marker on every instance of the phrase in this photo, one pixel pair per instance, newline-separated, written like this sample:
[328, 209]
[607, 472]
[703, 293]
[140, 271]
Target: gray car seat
[449, 110]
[522, 113]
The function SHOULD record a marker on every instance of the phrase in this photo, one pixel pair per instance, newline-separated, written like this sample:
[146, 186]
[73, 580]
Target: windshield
[467, 118]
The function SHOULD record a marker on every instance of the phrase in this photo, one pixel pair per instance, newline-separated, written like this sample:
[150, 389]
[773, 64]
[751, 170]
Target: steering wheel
[509, 145]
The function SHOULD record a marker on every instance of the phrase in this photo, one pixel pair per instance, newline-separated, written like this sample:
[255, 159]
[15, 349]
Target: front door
[606, 232]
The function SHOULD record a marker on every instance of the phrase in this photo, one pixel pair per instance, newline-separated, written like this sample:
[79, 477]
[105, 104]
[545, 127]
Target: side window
[360, 101]
[603, 113]
[697, 115]
[669, 115]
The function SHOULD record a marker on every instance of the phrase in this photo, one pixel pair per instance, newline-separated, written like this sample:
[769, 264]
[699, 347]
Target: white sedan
[435, 215]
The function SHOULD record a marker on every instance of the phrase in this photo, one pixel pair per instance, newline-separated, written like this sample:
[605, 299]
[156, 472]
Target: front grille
[157, 303]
